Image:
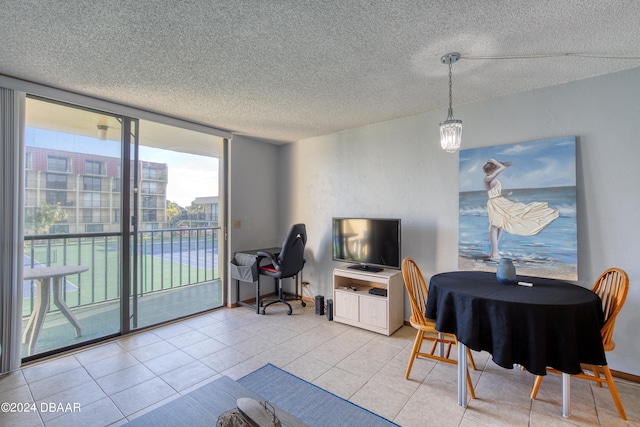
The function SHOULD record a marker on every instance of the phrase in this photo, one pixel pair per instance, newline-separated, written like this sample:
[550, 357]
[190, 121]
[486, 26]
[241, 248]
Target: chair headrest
[297, 231]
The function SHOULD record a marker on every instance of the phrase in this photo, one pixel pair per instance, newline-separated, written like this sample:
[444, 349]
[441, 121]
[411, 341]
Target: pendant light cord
[450, 113]
[450, 90]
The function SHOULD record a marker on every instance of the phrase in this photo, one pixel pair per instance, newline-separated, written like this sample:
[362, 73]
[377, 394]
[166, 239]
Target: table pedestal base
[462, 383]
[462, 375]
[41, 306]
[566, 395]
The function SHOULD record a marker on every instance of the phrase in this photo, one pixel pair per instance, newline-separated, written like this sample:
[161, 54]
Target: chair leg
[472, 393]
[596, 373]
[471, 361]
[279, 298]
[612, 387]
[414, 352]
[536, 386]
[614, 391]
[277, 301]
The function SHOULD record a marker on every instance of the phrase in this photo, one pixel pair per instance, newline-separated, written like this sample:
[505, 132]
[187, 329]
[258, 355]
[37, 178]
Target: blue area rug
[308, 402]
[297, 402]
[201, 407]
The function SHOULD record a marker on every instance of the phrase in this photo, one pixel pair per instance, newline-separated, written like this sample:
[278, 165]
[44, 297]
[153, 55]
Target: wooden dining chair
[418, 294]
[612, 287]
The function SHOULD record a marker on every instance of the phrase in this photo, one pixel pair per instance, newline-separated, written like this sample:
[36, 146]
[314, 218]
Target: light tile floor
[119, 380]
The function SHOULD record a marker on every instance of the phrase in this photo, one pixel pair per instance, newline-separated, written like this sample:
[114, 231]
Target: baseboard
[626, 376]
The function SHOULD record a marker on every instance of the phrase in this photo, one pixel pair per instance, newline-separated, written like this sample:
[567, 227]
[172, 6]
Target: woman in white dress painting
[512, 217]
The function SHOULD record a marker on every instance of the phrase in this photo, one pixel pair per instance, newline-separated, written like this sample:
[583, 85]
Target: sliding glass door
[176, 212]
[73, 237]
[121, 225]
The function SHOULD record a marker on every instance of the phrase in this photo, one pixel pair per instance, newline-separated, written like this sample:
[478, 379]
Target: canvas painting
[518, 201]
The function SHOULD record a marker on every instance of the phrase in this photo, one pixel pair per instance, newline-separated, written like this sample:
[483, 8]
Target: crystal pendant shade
[451, 135]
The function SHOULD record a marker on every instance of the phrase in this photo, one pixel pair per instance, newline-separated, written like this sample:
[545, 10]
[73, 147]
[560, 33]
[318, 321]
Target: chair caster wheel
[263, 313]
[304, 304]
[289, 312]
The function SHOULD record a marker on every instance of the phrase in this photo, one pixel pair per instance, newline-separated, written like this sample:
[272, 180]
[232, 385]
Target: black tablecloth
[553, 323]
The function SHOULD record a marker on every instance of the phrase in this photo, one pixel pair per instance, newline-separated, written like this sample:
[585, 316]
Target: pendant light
[102, 132]
[450, 129]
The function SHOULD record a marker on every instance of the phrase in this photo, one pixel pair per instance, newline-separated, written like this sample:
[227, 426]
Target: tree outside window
[44, 216]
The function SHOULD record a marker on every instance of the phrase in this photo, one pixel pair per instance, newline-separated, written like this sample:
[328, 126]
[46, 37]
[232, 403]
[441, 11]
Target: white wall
[253, 176]
[396, 169]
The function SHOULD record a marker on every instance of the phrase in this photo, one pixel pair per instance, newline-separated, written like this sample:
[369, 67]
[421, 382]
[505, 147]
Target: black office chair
[287, 263]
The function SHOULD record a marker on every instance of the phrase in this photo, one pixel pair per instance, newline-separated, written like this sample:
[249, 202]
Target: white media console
[360, 308]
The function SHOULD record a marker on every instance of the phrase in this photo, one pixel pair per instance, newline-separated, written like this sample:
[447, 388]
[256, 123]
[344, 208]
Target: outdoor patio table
[44, 276]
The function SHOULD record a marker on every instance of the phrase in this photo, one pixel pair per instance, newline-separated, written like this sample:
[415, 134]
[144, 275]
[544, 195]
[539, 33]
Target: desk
[247, 263]
[43, 277]
[553, 323]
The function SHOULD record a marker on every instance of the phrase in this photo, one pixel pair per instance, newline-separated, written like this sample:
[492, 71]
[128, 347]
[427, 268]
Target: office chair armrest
[268, 254]
[274, 258]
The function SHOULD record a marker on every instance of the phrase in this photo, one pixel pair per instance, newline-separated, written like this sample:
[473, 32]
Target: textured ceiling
[288, 70]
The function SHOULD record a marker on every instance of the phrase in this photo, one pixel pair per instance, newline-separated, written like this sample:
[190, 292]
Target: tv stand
[365, 267]
[355, 306]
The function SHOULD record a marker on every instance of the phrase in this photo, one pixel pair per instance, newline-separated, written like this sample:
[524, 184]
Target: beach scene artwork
[518, 201]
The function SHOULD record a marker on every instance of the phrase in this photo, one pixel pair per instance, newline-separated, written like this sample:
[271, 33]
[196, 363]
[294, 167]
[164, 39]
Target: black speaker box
[319, 305]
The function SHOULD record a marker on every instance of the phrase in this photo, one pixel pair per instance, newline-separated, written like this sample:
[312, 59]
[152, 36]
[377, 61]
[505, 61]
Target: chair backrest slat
[416, 288]
[612, 287]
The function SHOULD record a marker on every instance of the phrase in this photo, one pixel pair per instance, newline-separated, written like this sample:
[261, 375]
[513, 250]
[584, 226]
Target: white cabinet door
[346, 305]
[373, 311]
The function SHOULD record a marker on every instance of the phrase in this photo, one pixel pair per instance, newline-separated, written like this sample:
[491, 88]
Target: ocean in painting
[551, 253]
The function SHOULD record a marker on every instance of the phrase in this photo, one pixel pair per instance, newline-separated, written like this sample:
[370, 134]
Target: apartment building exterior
[87, 189]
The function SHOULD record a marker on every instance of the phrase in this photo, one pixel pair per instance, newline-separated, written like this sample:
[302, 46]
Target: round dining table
[541, 323]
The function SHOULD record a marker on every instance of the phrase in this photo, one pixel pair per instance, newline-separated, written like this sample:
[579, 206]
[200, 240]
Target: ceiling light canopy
[450, 129]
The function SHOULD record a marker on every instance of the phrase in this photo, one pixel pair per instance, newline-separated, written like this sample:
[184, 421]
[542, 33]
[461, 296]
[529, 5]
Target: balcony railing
[167, 259]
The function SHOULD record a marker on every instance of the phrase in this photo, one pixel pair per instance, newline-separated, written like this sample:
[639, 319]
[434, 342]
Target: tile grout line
[308, 332]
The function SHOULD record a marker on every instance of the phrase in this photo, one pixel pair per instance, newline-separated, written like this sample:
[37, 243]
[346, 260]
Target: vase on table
[506, 271]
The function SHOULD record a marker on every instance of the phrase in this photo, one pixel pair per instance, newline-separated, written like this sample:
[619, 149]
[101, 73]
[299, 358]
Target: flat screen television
[370, 244]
